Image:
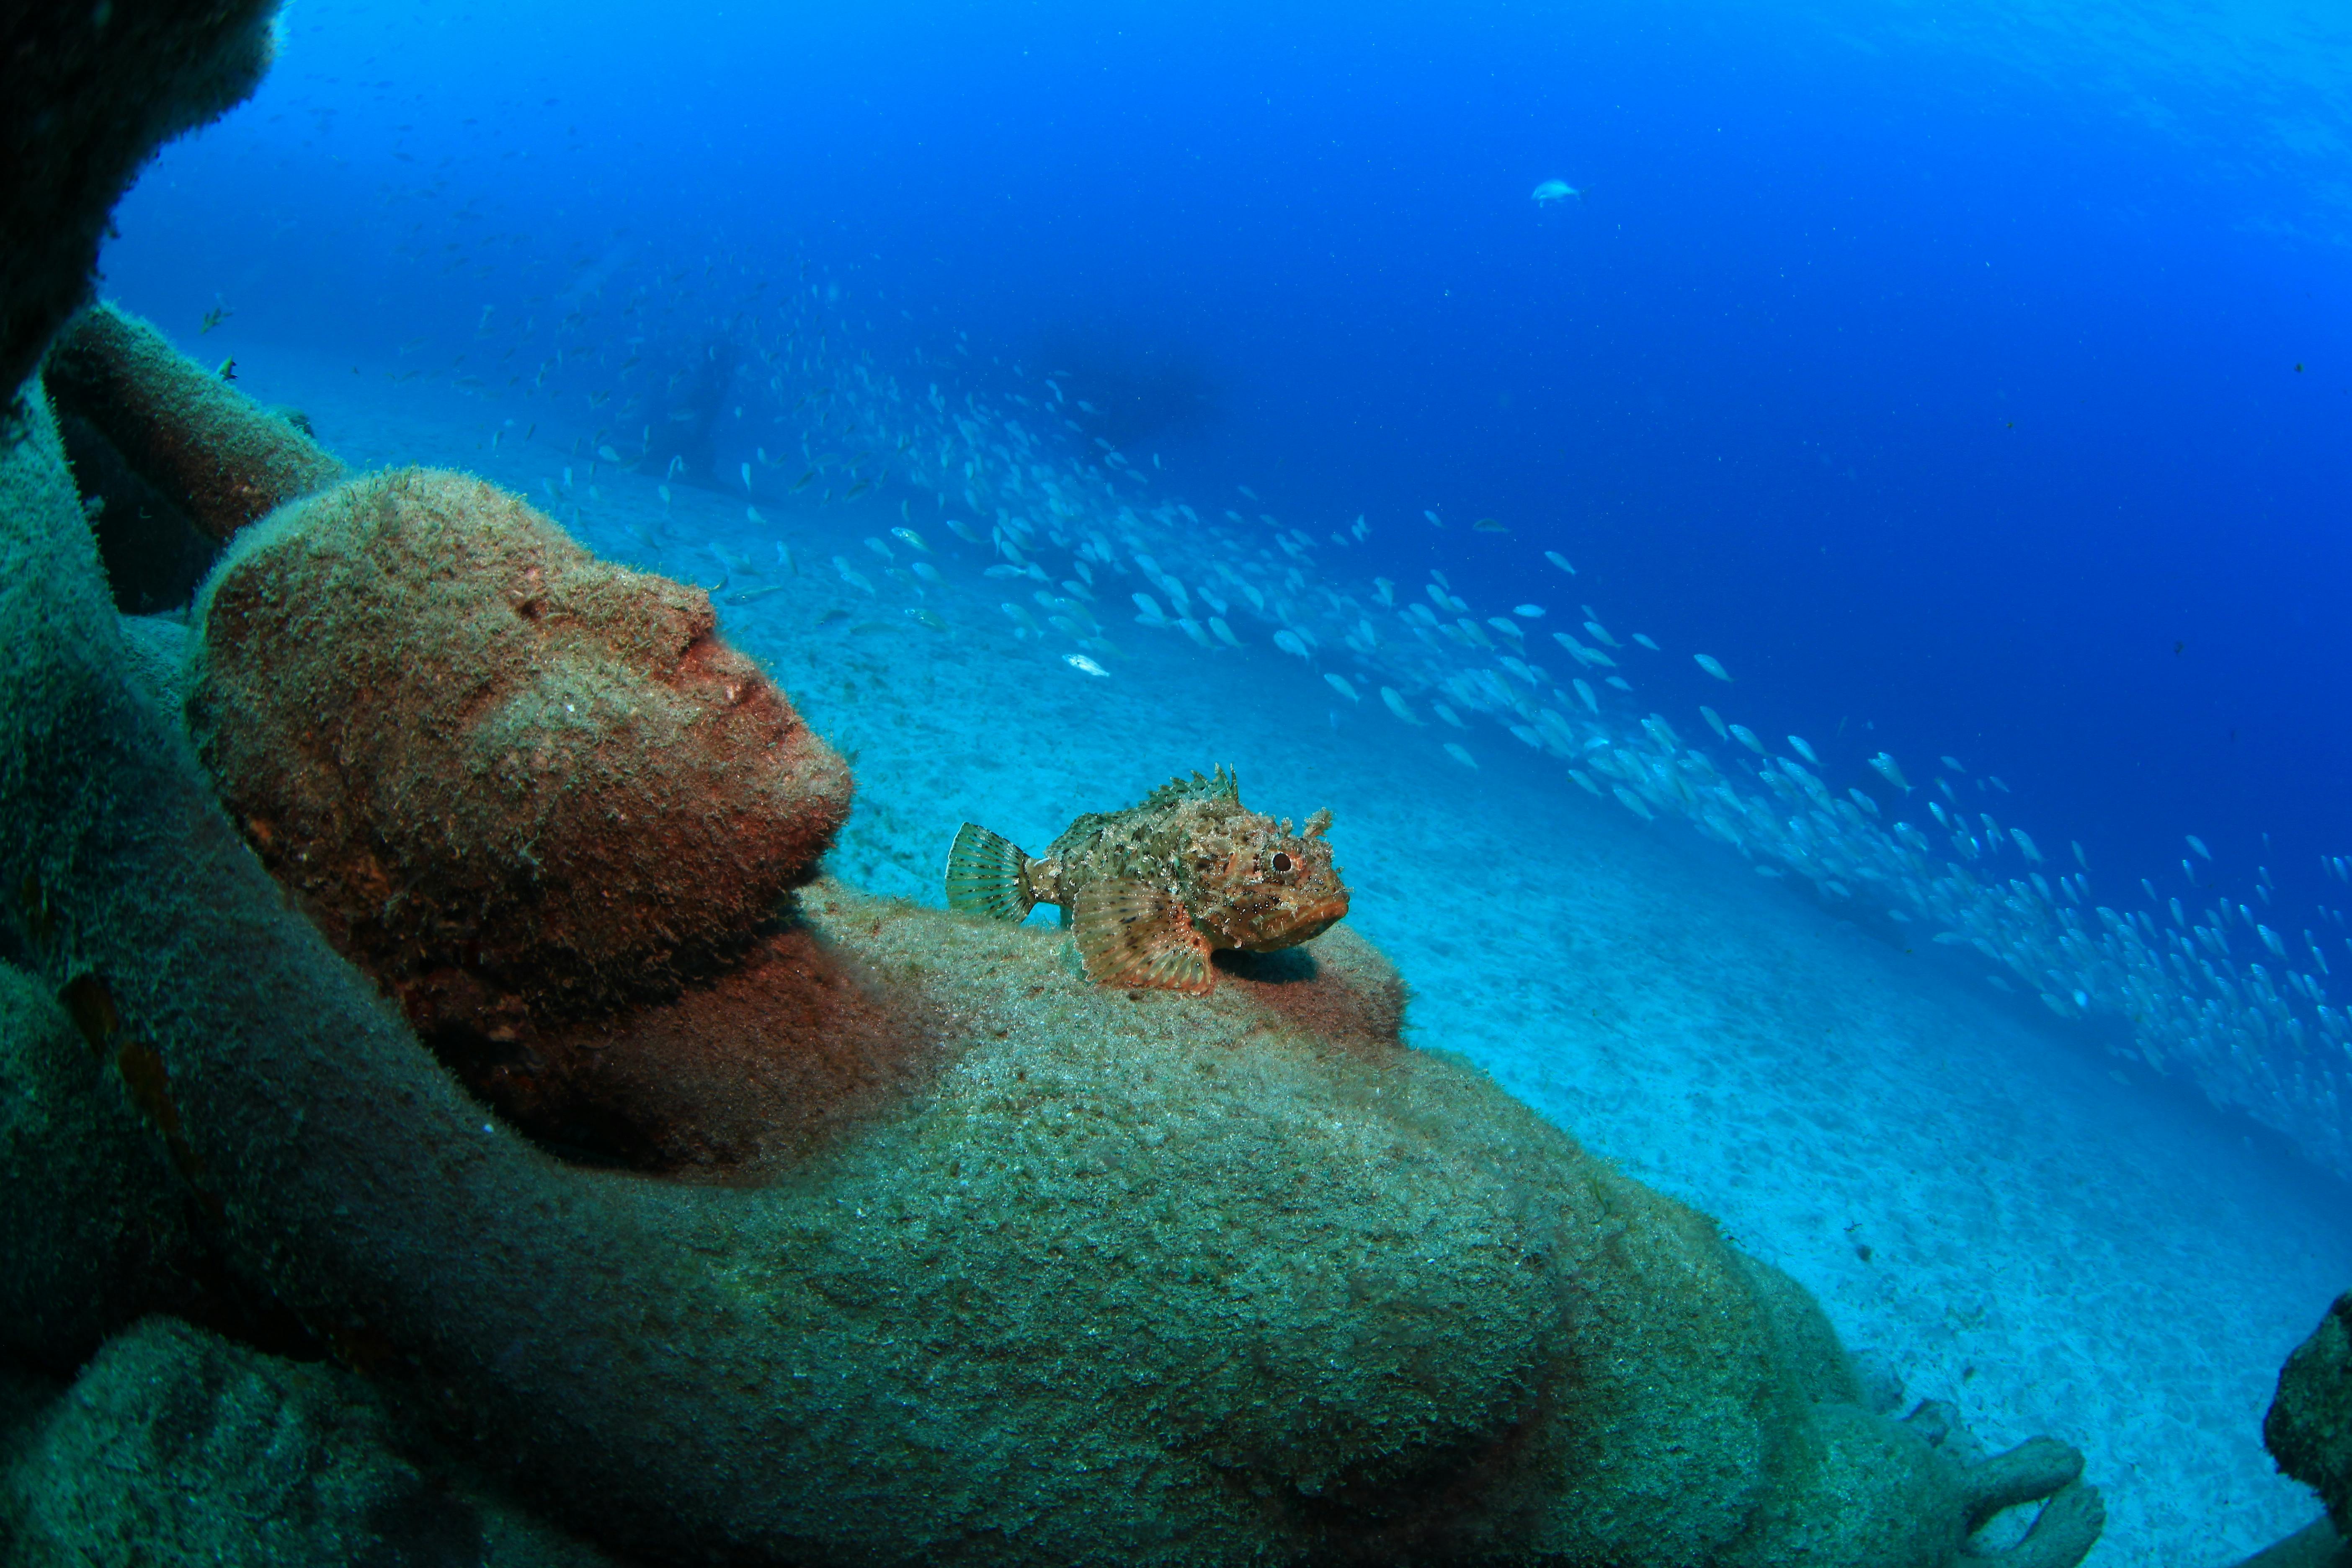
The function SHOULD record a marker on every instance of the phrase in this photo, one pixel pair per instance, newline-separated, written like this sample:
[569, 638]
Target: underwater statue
[1051, 1273]
[1081, 1277]
[420, 697]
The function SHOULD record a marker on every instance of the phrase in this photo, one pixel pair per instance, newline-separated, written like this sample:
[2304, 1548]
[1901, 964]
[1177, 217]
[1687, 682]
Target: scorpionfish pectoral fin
[1132, 934]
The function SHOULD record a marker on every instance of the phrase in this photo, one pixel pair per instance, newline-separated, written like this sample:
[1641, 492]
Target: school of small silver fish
[1075, 533]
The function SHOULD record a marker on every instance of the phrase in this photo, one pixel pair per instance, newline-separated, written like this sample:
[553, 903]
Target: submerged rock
[2309, 1427]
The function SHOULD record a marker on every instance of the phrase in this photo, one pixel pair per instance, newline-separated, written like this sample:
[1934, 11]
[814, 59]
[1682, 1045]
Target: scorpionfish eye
[1281, 861]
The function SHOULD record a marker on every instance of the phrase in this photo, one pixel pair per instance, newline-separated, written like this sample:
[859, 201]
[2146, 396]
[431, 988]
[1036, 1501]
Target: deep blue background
[1939, 371]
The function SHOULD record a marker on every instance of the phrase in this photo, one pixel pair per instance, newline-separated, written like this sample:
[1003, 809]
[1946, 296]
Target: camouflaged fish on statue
[1149, 892]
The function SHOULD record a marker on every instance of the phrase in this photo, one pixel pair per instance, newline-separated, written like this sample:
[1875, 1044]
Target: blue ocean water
[1981, 377]
[1969, 380]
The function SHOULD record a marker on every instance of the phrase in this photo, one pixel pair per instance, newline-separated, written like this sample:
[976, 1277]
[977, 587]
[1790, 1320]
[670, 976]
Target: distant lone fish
[1150, 891]
[1552, 191]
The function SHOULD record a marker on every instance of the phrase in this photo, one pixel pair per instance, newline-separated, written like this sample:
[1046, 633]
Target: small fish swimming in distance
[1712, 664]
[1084, 665]
[1150, 891]
[1552, 191]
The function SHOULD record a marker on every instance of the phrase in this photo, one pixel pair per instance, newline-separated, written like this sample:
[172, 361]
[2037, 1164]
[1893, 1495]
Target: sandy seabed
[1993, 1210]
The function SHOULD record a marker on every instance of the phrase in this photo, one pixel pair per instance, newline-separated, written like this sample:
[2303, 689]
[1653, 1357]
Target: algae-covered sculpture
[541, 804]
[1153, 890]
[507, 777]
[190, 434]
[1082, 1275]
[178, 1446]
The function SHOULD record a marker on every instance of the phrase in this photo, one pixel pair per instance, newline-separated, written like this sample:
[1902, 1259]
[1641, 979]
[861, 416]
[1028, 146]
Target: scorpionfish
[1150, 891]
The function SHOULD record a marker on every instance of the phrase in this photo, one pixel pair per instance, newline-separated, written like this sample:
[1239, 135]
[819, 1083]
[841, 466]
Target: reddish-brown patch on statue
[727, 1080]
[1338, 990]
[516, 783]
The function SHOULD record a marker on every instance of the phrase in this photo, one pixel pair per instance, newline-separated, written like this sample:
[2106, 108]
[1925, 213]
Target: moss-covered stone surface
[511, 780]
[86, 94]
[175, 1448]
[2309, 1427]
